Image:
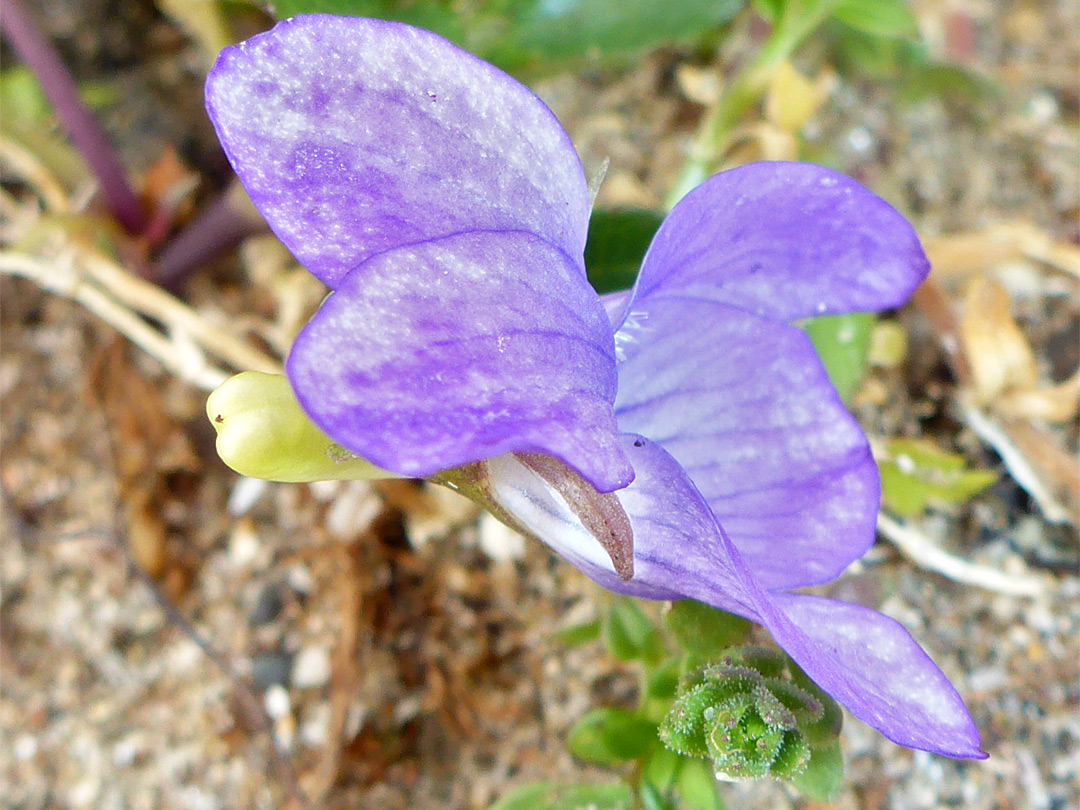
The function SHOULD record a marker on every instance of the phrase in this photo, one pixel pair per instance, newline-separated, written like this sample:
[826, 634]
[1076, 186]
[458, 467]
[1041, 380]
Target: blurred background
[172, 636]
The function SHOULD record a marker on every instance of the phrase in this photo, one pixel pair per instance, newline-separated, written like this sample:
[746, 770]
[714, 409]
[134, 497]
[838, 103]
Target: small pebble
[268, 605]
[498, 541]
[243, 545]
[277, 702]
[271, 668]
[312, 668]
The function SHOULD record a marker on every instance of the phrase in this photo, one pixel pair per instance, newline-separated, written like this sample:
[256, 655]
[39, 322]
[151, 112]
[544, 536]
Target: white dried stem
[25, 165]
[925, 553]
[1016, 462]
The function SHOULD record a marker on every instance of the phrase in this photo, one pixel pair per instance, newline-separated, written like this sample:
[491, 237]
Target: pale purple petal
[872, 665]
[865, 660]
[745, 406]
[355, 136]
[449, 352]
[786, 241]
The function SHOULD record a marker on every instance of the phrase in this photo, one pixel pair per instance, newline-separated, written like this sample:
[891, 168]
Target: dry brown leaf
[792, 98]
[997, 351]
[963, 254]
[1057, 403]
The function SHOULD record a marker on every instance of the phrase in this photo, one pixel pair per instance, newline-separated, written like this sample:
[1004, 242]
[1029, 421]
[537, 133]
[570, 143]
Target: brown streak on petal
[600, 513]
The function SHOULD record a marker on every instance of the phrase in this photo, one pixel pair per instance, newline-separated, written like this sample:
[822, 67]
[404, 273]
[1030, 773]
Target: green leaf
[917, 473]
[578, 634]
[843, 343]
[696, 786]
[939, 79]
[610, 735]
[661, 685]
[703, 630]
[628, 633]
[824, 774]
[879, 18]
[617, 244]
[569, 29]
[546, 796]
[770, 10]
[430, 14]
[661, 768]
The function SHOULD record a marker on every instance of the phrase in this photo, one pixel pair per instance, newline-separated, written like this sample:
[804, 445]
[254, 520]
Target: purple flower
[685, 420]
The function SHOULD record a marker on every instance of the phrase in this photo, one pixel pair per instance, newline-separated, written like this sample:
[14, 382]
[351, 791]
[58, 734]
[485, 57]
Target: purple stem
[43, 60]
[222, 225]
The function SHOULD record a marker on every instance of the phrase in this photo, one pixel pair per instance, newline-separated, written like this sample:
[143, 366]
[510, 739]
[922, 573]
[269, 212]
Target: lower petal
[865, 660]
[872, 665]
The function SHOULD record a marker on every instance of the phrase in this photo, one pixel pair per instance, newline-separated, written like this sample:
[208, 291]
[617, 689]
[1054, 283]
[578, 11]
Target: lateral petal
[785, 241]
[355, 136]
[745, 406]
[449, 352]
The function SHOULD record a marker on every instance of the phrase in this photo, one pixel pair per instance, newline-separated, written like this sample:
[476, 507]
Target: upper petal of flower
[863, 659]
[786, 241]
[355, 136]
[449, 352]
[745, 406]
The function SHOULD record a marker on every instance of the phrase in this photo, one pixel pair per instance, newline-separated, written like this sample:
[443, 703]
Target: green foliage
[628, 633]
[918, 473]
[907, 64]
[843, 344]
[541, 33]
[610, 735]
[824, 773]
[578, 634]
[571, 28]
[546, 796]
[880, 18]
[753, 714]
[617, 244]
[695, 785]
[430, 14]
[702, 630]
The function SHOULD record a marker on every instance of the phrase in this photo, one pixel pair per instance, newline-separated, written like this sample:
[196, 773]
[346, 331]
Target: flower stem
[740, 95]
[42, 59]
[223, 224]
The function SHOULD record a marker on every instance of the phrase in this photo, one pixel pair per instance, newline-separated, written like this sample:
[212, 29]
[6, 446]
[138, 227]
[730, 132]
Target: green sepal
[611, 735]
[703, 630]
[628, 633]
[823, 775]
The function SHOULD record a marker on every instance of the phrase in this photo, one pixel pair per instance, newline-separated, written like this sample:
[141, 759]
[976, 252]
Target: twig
[346, 675]
[1020, 468]
[921, 550]
[41, 57]
[122, 299]
[28, 168]
[244, 689]
[221, 226]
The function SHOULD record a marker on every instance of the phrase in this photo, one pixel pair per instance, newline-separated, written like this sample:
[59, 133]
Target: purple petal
[786, 241]
[355, 136]
[872, 665]
[449, 352]
[865, 660]
[745, 406]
